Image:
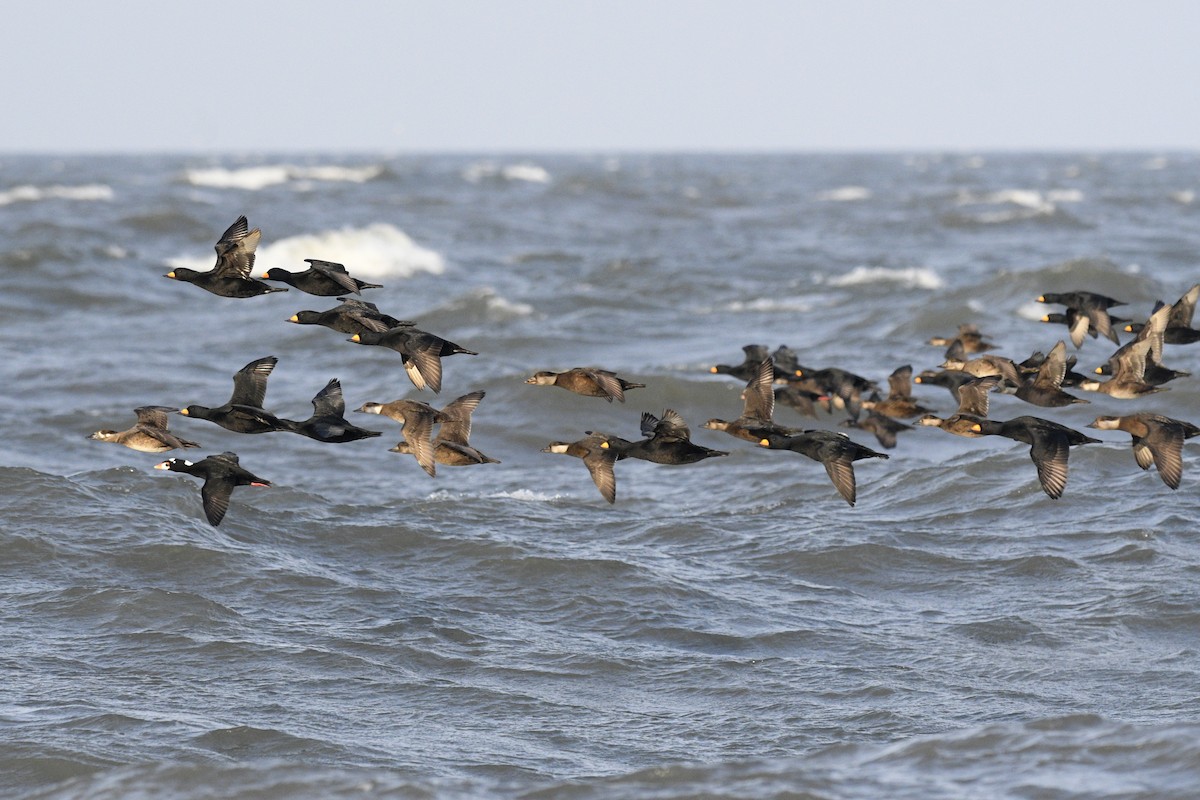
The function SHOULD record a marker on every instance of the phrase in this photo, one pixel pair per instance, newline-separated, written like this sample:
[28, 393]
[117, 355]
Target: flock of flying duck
[1134, 370]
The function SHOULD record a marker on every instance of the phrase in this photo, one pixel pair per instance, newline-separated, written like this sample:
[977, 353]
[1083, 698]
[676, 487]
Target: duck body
[598, 459]
[586, 381]
[149, 435]
[1087, 313]
[755, 355]
[667, 441]
[322, 278]
[421, 352]
[230, 277]
[451, 446]
[328, 421]
[353, 317]
[417, 419]
[1045, 387]
[883, 427]
[221, 474]
[758, 409]
[244, 412]
[836, 452]
[1157, 440]
[1049, 446]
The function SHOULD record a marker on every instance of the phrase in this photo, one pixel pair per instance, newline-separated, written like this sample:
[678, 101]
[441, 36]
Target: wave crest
[488, 170]
[29, 194]
[260, 177]
[376, 251]
[909, 277]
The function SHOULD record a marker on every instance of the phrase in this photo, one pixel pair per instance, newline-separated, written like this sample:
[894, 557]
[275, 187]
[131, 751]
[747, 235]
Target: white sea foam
[500, 307]
[28, 194]
[376, 251]
[1032, 199]
[845, 194]
[260, 177]
[796, 304]
[1184, 196]
[1034, 311]
[485, 170]
[527, 495]
[909, 277]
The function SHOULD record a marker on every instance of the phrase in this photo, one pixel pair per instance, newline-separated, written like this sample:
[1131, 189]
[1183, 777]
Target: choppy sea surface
[727, 629]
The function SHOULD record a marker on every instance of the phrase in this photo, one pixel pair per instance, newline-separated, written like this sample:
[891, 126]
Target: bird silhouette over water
[322, 278]
[221, 474]
[244, 412]
[834, 450]
[230, 277]
[149, 435]
[1049, 446]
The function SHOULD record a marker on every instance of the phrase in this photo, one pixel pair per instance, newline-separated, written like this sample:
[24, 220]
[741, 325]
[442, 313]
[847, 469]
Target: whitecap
[485, 170]
[1032, 200]
[795, 304]
[845, 194]
[260, 177]
[483, 303]
[526, 495]
[250, 178]
[28, 194]
[376, 251]
[909, 277]
[1033, 311]
[1184, 196]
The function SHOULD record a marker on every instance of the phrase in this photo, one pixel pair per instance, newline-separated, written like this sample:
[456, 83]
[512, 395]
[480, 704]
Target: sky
[599, 75]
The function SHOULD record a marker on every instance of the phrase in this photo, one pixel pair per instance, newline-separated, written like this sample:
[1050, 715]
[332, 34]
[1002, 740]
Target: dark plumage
[1179, 328]
[1045, 388]
[1157, 440]
[885, 428]
[949, 379]
[452, 445]
[221, 473]
[328, 421]
[667, 441]
[596, 457]
[149, 435]
[1049, 446]
[352, 317]
[235, 258]
[244, 412]
[755, 354]
[1086, 311]
[834, 450]
[586, 381]
[322, 278]
[421, 353]
[845, 389]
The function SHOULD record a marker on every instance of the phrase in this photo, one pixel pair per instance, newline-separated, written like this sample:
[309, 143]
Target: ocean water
[727, 629]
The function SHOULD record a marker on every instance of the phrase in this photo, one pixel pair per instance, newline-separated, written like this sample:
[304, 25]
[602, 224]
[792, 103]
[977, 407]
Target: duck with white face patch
[221, 473]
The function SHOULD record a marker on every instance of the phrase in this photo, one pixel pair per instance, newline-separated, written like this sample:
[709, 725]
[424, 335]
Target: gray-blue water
[726, 629]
